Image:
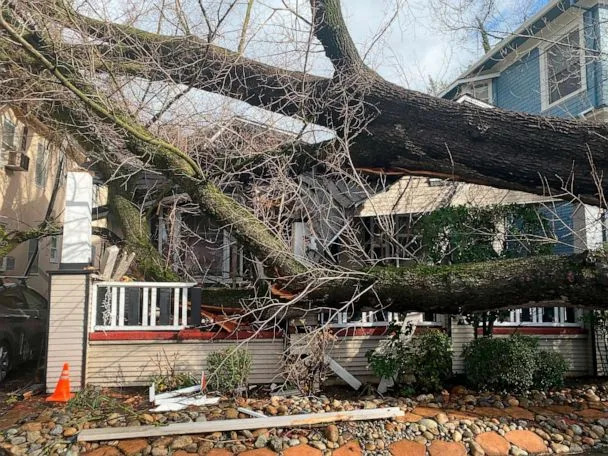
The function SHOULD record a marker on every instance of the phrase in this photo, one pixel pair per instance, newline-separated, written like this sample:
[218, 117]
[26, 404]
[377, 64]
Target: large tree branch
[407, 130]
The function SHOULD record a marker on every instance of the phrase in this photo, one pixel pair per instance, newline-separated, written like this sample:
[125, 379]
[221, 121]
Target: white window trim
[341, 320]
[544, 81]
[487, 82]
[515, 319]
[54, 259]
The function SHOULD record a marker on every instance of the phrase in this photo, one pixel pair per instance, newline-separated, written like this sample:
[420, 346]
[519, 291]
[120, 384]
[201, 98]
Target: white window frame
[368, 319]
[54, 250]
[536, 314]
[470, 91]
[43, 161]
[544, 70]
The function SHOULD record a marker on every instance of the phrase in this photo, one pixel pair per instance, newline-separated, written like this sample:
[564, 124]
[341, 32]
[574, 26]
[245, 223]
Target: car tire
[5, 360]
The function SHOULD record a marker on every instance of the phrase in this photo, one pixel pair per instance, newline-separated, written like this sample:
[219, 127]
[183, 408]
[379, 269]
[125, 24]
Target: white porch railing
[131, 306]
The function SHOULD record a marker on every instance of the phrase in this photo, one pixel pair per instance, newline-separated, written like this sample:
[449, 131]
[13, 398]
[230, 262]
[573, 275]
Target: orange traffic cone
[62, 390]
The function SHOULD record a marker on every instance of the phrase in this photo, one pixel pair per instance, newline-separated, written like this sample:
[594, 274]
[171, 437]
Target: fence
[153, 306]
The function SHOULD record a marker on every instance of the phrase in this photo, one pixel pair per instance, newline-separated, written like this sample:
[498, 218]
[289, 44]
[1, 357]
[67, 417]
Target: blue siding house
[554, 64]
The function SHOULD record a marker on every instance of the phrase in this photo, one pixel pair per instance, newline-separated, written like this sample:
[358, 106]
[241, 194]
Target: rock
[457, 436]
[591, 396]
[319, 445]
[147, 418]
[18, 440]
[302, 450]
[181, 442]
[105, 450]
[351, 448]
[159, 451]
[276, 444]
[231, 413]
[476, 449]
[32, 436]
[441, 448]
[527, 440]
[576, 429]
[332, 433]
[407, 448]
[184, 453]
[493, 444]
[513, 402]
[131, 447]
[409, 418]
[261, 441]
[442, 418]
[559, 448]
[558, 438]
[428, 423]
[517, 452]
[32, 426]
[57, 430]
[271, 410]
[599, 430]
[70, 431]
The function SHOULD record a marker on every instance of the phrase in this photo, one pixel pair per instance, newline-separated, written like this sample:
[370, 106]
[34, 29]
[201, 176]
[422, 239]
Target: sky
[406, 41]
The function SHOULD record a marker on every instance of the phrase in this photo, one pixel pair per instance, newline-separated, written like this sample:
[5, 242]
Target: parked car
[23, 326]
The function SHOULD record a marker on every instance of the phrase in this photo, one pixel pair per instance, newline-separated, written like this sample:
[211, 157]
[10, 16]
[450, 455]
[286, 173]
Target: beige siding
[66, 340]
[576, 348]
[133, 363]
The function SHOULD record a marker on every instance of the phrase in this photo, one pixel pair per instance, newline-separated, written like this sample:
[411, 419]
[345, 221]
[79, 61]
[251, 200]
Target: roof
[416, 195]
[529, 28]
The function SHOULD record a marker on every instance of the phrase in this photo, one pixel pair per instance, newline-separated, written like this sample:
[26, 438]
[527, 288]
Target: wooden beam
[343, 373]
[207, 427]
[108, 262]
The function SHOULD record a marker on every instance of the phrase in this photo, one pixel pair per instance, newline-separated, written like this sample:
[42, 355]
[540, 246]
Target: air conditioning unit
[17, 161]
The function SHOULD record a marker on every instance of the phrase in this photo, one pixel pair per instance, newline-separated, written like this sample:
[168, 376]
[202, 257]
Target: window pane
[526, 315]
[8, 133]
[549, 315]
[33, 248]
[570, 315]
[564, 66]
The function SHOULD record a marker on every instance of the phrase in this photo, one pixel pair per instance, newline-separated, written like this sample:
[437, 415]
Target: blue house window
[563, 68]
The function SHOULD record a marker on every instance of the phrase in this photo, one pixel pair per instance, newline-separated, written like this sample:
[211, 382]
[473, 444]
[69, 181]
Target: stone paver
[426, 412]
[259, 452]
[218, 452]
[519, 413]
[407, 448]
[409, 418]
[592, 414]
[105, 450]
[302, 450]
[527, 440]
[441, 448]
[351, 448]
[493, 444]
[458, 415]
[488, 412]
[131, 447]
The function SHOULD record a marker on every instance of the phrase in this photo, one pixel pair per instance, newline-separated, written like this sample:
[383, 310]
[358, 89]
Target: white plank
[343, 373]
[108, 262]
[179, 392]
[176, 307]
[121, 307]
[144, 312]
[153, 307]
[184, 306]
[250, 412]
[113, 307]
[196, 400]
[123, 265]
[207, 427]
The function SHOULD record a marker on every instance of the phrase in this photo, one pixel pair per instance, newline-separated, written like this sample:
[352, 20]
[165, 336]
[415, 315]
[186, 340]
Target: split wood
[131, 432]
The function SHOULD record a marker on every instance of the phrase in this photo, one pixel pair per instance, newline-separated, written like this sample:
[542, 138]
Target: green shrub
[550, 369]
[228, 369]
[426, 360]
[501, 363]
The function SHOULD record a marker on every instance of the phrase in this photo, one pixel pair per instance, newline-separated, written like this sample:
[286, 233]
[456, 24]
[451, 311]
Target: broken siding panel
[133, 363]
[66, 338]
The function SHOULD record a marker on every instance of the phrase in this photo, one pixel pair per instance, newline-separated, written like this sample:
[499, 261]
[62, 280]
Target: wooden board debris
[206, 427]
[343, 373]
[250, 412]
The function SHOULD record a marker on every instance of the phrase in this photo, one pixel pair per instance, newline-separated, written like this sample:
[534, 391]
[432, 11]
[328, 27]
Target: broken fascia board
[252, 413]
[207, 427]
[179, 392]
[175, 404]
[187, 400]
[343, 373]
